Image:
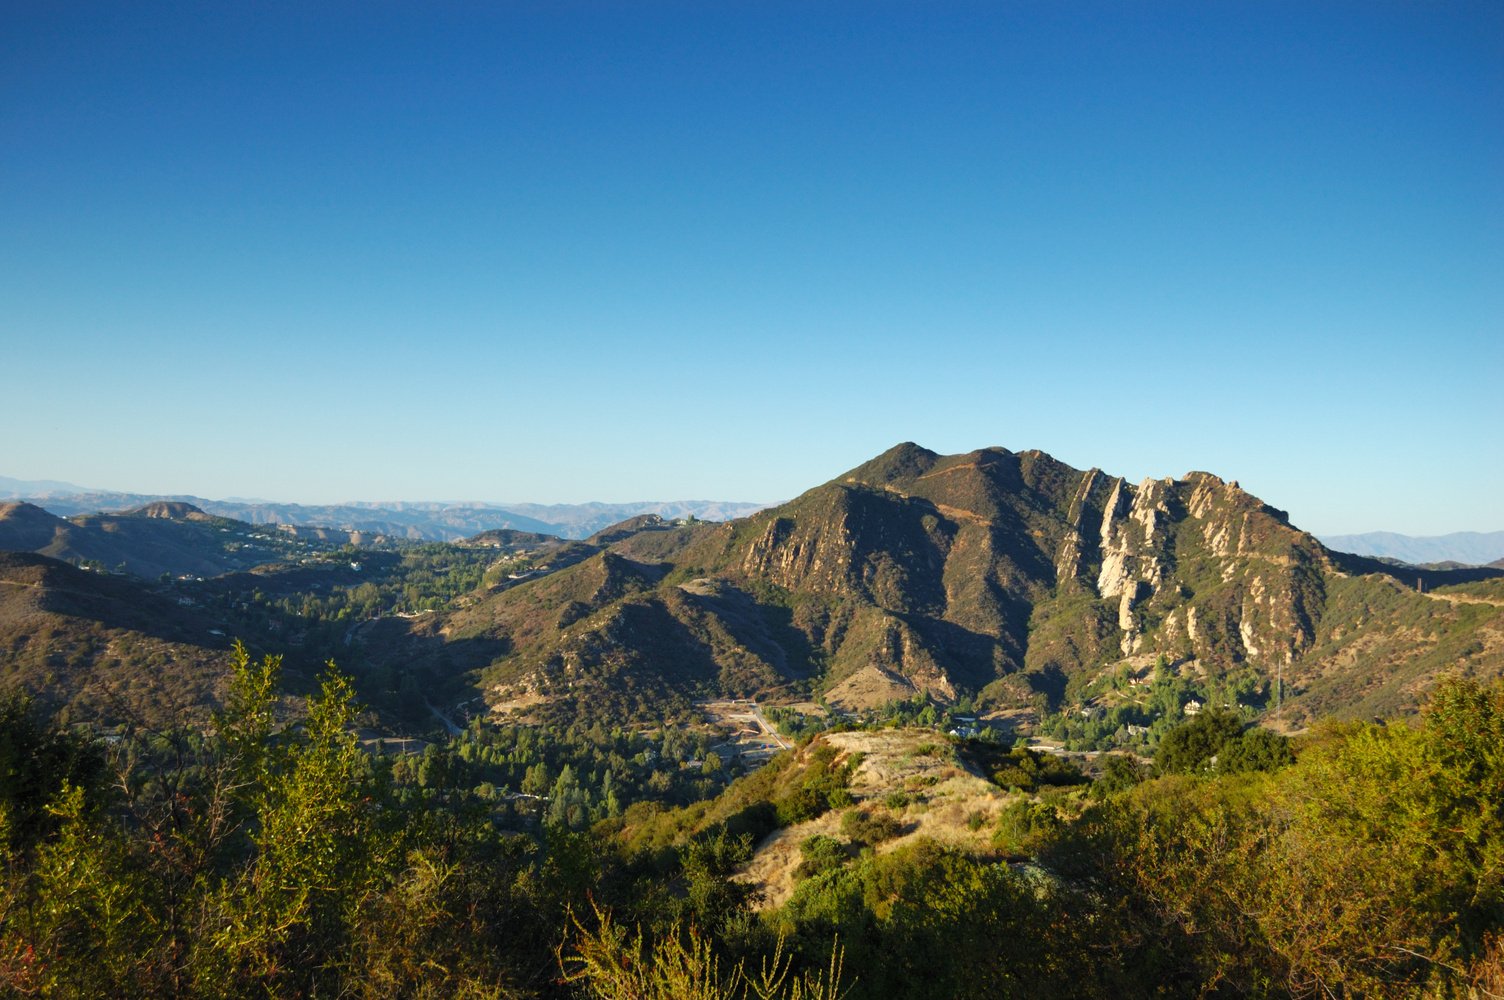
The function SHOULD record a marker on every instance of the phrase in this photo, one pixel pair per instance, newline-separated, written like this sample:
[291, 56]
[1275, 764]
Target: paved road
[452, 729]
[767, 727]
[753, 713]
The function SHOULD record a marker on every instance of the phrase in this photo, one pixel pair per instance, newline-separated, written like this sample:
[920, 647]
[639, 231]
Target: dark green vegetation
[1366, 868]
[1217, 741]
[266, 858]
[569, 777]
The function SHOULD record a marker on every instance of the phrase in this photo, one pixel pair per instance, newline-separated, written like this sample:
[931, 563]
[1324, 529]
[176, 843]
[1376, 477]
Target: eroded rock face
[1169, 548]
[1070, 561]
[1137, 535]
[1117, 547]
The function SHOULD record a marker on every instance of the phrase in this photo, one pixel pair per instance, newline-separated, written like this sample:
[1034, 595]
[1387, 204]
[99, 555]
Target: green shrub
[870, 828]
[820, 854]
[1025, 825]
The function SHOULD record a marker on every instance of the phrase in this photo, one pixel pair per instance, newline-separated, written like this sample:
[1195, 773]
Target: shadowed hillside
[103, 648]
[1011, 577]
[177, 539]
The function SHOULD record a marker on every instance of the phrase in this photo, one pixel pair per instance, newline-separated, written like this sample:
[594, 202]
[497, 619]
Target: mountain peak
[171, 510]
[23, 511]
[25, 526]
[1009, 577]
[902, 461]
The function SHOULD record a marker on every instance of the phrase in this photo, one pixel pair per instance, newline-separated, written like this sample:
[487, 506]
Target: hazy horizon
[10, 483]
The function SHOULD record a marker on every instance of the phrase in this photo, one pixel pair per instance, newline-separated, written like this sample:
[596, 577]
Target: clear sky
[559, 252]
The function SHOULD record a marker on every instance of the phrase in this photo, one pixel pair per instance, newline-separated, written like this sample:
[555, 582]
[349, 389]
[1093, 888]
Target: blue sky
[563, 252]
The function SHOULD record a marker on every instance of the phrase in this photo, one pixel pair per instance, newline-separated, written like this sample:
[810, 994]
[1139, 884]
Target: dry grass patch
[943, 800]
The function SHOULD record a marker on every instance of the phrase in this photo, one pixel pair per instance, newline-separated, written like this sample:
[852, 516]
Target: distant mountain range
[126, 618]
[445, 522]
[417, 521]
[1470, 548]
[1008, 580]
[174, 538]
[16, 489]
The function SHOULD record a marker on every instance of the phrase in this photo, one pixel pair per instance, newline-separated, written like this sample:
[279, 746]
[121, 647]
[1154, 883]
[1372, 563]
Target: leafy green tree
[1190, 746]
[1119, 774]
[86, 923]
[1371, 866]
[37, 760]
[926, 921]
[1257, 749]
[820, 854]
[535, 781]
[869, 826]
[713, 899]
[317, 853]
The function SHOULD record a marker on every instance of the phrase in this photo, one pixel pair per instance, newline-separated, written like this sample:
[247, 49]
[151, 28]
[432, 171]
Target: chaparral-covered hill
[1011, 578]
[177, 539]
[106, 649]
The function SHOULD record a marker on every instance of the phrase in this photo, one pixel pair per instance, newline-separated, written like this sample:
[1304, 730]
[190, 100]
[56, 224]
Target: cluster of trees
[1217, 740]
[1373, 865]
[918, 710]
[319, 599]
[794, 724]
[407, 578]
[261, 859]
[1027, 770]
[277, 858]
[1153, 708]
[570, 776]
[1152, 711]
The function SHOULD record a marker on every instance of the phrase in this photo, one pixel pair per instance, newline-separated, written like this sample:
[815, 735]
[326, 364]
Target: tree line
[272, 856]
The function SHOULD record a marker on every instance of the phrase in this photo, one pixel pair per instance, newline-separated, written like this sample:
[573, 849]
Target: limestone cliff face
[1135, 550]
[1082, 535]
[1221, 575]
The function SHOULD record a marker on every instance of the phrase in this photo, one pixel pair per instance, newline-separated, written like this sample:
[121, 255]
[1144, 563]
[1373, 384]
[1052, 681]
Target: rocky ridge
[1010, 577]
